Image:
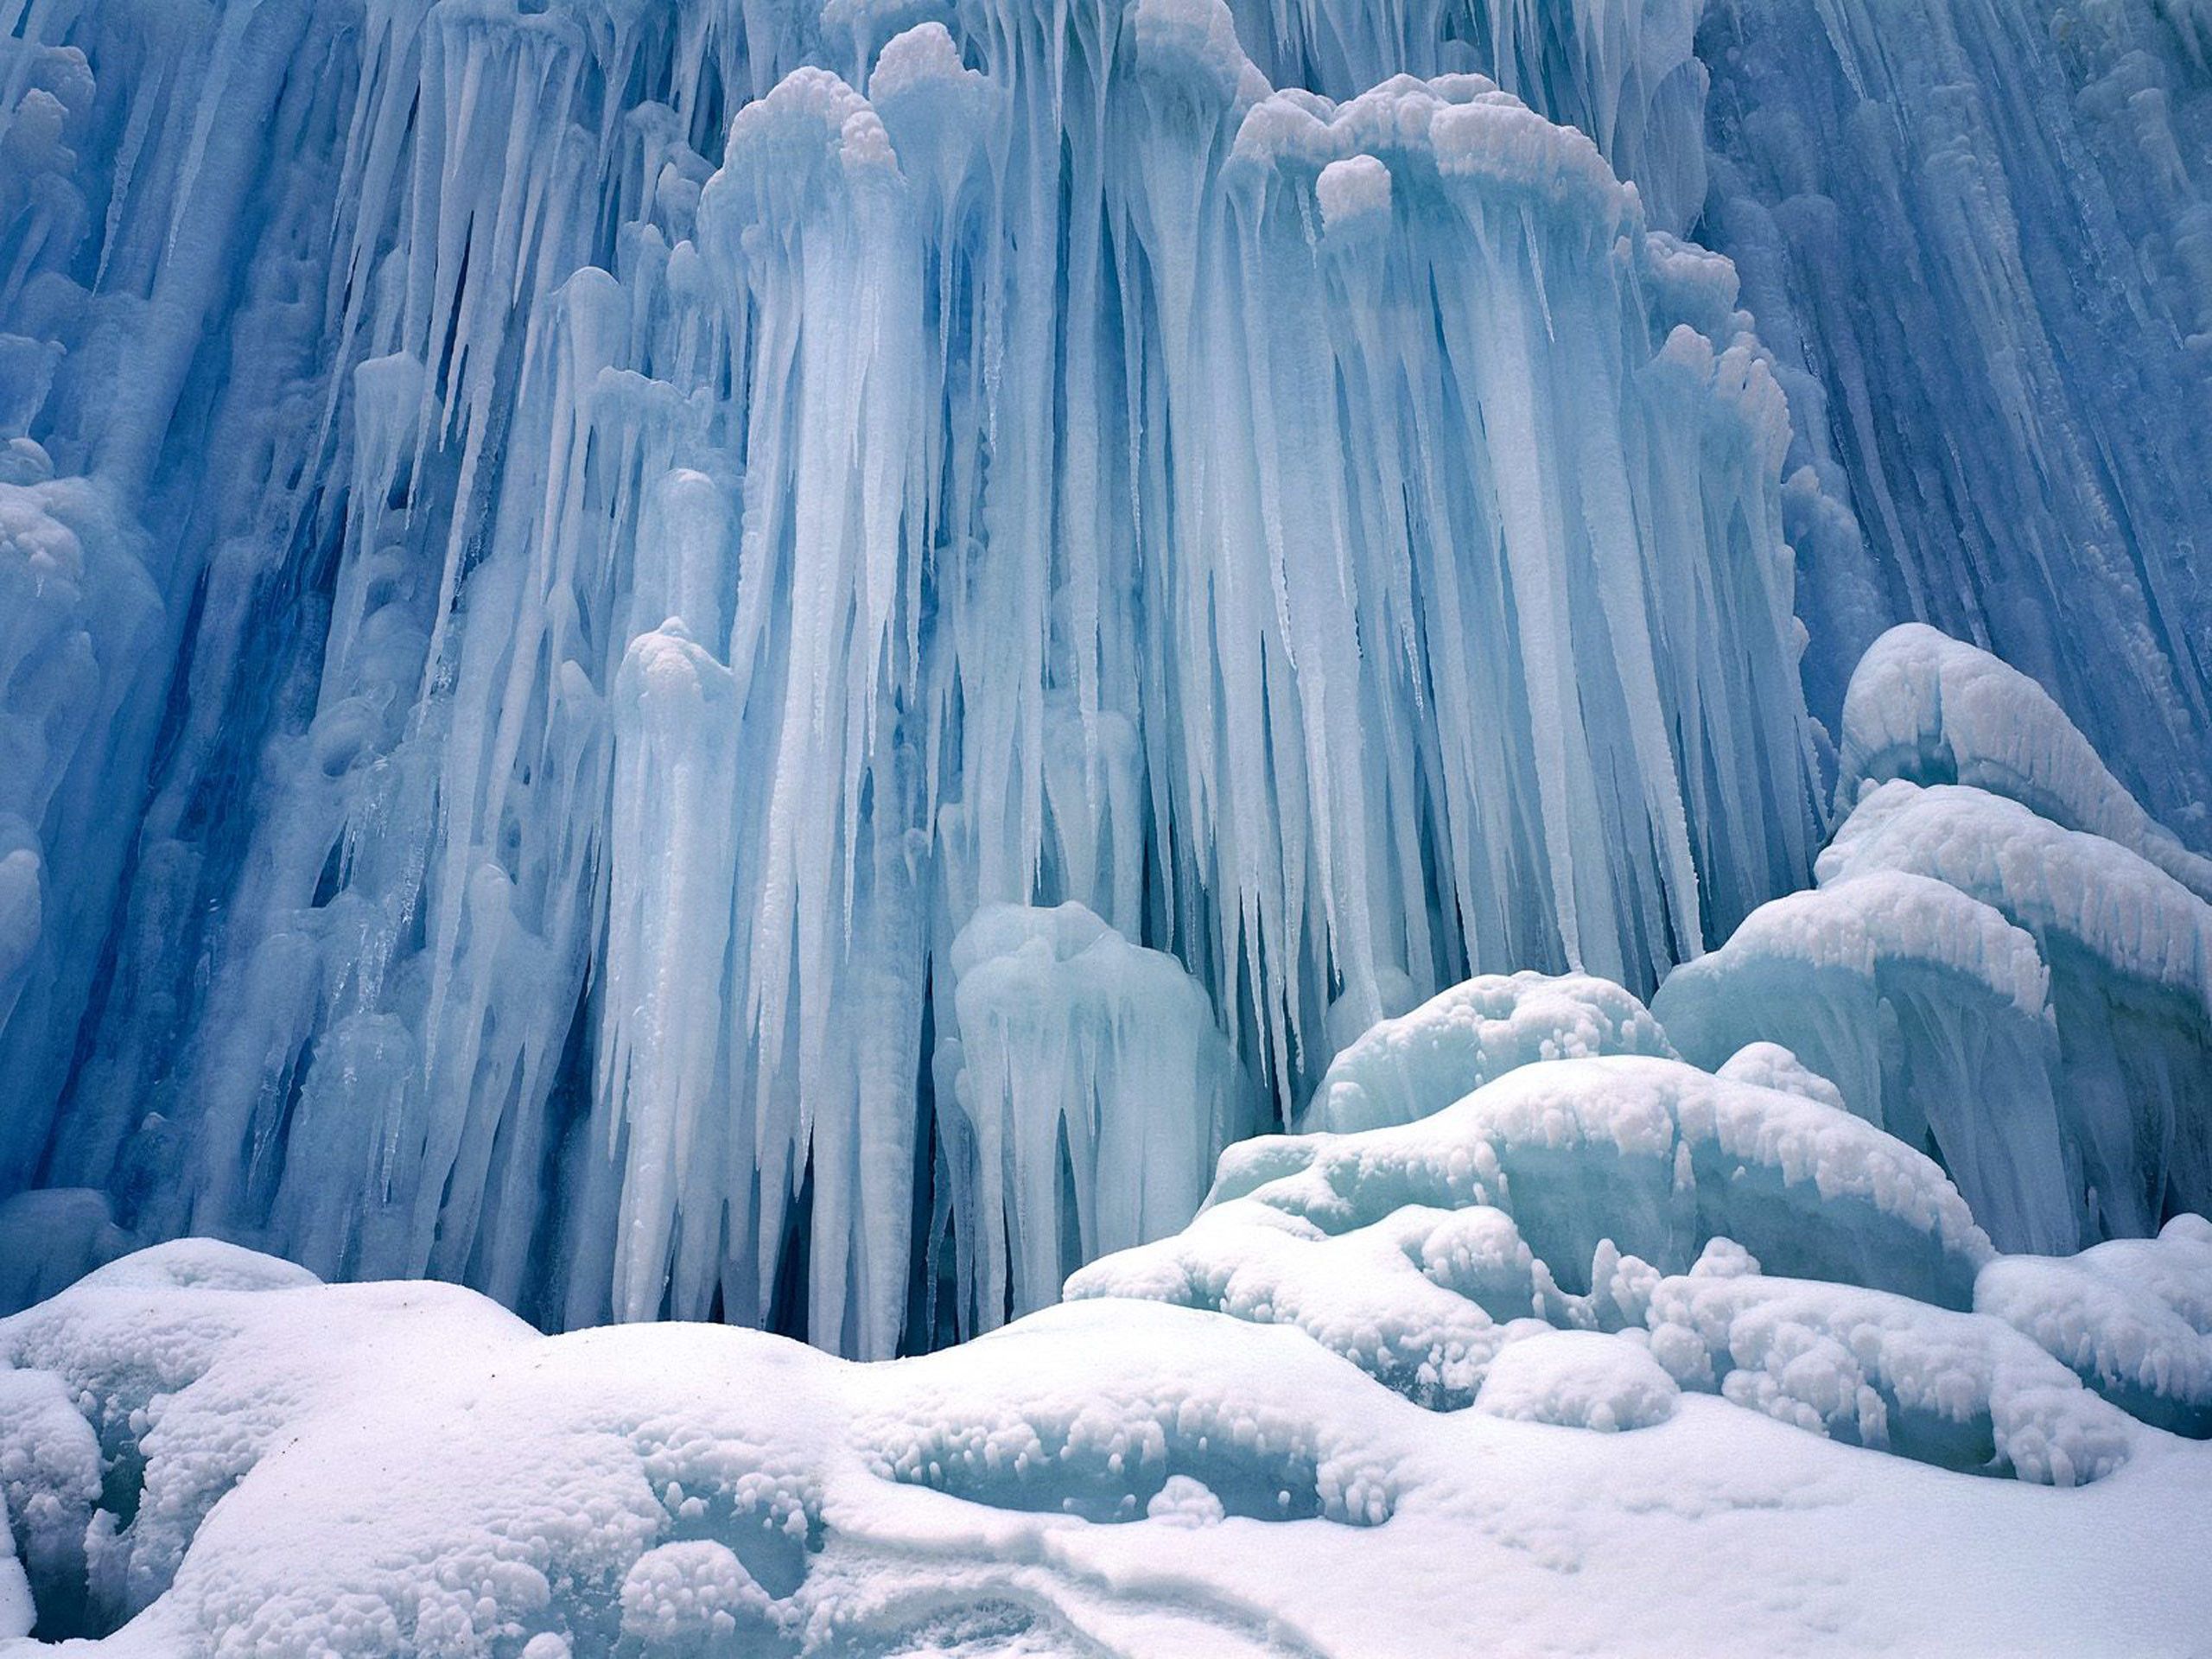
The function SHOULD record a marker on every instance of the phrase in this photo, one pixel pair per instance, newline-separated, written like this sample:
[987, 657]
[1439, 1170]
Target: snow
[1874, 1370]
[2126, 1315]
[1147, 1478]
[1924, 1009]
[2130, 952]
[1578, 1379]
[1404, 1068]
[1533, 1294]
[1931, 709]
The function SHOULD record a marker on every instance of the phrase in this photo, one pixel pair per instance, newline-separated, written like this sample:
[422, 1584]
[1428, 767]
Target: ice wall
[1978, 234]
[556, 556]
[666, 514]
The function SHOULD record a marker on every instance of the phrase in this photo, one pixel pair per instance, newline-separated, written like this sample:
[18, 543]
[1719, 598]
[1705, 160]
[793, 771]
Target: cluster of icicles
[1026, 462]
[767, 660]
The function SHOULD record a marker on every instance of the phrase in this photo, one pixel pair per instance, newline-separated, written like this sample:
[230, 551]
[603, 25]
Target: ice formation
[1087, 1093]
[793, 662]
[2007, 961]
[667, 514]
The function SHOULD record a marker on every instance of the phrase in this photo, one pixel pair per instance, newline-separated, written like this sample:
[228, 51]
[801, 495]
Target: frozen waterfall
[558, 559]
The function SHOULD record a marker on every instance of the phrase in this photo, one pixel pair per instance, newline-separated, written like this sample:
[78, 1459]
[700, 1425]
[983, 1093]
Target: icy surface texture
[2022, 423]
[1580, 1379]
[573, 548]
[1109, 1476]
[1571, 1301]
[1091, 1094]
[1925, 1009]
[2130, 953]
[2130, 1316]
[1930, 709]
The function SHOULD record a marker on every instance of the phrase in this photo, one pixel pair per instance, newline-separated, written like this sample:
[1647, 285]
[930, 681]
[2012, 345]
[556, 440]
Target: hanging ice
[1086, 1094]
[2007, 962]
[706, 502]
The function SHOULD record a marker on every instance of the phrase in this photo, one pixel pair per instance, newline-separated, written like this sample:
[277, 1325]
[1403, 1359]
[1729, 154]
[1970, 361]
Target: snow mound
[2131, 1317]
[1578, 1379]
[1875, 1369]
[1459, 1040]
[1772, 1066]
[1559, 1193]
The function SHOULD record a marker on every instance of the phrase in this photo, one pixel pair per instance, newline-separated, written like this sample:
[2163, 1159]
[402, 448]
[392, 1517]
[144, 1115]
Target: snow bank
[1874, 1370]
[1580, 1379]
[201, 1452]
[2130, 1316]
[1558, 1195]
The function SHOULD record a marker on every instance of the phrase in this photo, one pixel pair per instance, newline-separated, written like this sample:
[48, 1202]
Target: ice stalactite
[1929, 1013]
[2130, 952]
[1084, 1092]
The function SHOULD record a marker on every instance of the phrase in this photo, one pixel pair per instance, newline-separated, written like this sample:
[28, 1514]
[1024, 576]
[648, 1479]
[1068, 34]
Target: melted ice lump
[1542, 1295]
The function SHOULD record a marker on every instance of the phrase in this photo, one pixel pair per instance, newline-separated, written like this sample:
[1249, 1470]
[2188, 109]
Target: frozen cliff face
[1978, 234]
